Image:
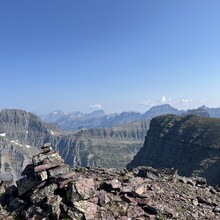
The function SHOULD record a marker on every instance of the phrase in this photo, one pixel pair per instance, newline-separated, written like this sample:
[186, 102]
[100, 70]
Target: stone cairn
[46, 174]
[51, 190]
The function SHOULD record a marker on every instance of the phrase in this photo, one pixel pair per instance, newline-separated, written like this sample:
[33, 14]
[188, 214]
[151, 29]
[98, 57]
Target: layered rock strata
[21, 134]
[190, 144]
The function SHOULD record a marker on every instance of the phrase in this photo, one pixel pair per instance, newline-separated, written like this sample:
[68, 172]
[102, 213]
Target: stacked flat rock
[46, 166]
[50, 190]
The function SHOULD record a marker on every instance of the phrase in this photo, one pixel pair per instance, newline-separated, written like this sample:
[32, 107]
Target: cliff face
[21, 134]
[190, 144]
[111, 147]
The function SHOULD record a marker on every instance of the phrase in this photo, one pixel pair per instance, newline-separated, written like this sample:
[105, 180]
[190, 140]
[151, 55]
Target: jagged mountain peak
[201, 111]
[99, 119]
[160, 110]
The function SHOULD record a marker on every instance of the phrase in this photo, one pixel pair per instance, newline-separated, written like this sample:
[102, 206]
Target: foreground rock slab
[51, 190]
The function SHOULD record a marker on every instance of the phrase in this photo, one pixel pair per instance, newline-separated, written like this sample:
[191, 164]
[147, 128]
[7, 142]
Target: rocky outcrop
[51, 190]
[190, 144]
[201, 111]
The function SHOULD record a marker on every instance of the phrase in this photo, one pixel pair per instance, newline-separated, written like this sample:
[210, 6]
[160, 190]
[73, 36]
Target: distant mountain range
[99, 119]
[22, 133]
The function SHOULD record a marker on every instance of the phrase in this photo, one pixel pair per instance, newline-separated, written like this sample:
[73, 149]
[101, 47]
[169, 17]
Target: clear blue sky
[115, 54]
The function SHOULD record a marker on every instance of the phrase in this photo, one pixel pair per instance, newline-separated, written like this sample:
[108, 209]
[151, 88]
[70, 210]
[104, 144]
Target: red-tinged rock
[127, 189]
[145, 217]
[113, 184]
[134, 212]
[58, 171]
[140, 190]
[137, 191]
[147, 172]
[75, 215]
[137, 180]
[66, 178]
[53, 206]
[106, 215]
[71, 194]
[40, 194]
[127, 198]
[71, 175]
[85, 187]
[51, 156]
[117, 208]
[87, 208]
[114, 197]
[48, 166]
[64, 183]
[143, 201]
[103, 198]
[123, 218]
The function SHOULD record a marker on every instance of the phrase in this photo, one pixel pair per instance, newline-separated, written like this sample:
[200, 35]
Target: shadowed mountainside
[190, 144]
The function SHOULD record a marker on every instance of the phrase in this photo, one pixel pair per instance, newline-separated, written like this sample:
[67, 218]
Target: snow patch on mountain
[16, 143]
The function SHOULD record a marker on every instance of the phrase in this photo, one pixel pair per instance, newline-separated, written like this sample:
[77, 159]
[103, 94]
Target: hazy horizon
[113, 55]
[91, 110]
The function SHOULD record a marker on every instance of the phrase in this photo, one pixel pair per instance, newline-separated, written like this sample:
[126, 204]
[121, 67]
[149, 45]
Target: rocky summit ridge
[52, 190]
